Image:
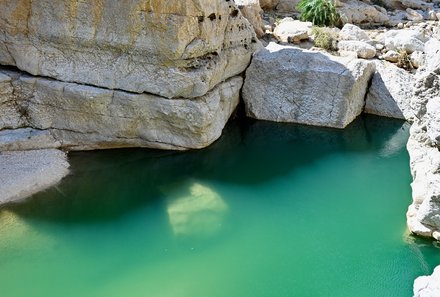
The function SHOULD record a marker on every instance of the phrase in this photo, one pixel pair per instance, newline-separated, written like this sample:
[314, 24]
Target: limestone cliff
[423, 146]
[102, 74]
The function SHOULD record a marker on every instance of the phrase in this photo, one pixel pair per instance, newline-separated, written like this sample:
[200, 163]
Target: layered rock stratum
[104, 74]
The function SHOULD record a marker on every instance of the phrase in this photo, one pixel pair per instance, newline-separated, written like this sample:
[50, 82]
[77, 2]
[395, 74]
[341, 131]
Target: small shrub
[325, 38]
[319, 12]
[404, 61]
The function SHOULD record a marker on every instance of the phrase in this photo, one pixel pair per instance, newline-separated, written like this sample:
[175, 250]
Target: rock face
[83, 117]
[287, 84]
[106, 74]
[423, 146]
[390, 92]
[177, 49]
[252, 11]
[428, 286]
[25, 173]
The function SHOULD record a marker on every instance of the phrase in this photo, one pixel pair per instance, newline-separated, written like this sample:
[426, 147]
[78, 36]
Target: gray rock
[83, 117]
[287, 84]
[353, 32]
[405, 40]
[28, 172]
[362, 49]
[390, 92]
[428, 286]
[423, 147]
[26, 139]
[179, 50]
[289, 30]
[391, 56]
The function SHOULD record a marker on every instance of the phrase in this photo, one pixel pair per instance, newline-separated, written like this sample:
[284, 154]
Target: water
[269, 210]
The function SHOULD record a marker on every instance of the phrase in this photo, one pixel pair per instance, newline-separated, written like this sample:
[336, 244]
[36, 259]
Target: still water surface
[269, 210]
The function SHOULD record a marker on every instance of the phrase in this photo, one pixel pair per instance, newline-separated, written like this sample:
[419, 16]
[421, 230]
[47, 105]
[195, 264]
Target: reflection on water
[200, 212]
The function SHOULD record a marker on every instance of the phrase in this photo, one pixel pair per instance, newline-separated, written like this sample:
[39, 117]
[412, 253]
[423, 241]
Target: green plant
[319, 12]
[325, 38]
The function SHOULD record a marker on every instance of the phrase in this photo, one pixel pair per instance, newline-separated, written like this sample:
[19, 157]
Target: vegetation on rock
[325, 38]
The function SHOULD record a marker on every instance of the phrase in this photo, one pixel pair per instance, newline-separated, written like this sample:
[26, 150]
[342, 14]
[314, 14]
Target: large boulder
[428, 286]
[175, 49]
[409, 40]
[358, 12]
[83, 117]
[390, 92]
[287, 84]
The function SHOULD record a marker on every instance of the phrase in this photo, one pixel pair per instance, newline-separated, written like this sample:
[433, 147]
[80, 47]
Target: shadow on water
[104, 185]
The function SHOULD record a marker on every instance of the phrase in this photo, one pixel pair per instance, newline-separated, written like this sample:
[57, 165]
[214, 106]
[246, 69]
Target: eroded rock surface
[390, 92]
[287, 84]
[83, 117]
[428, 286]
[28, 172]
[175, 49]
[423, 147]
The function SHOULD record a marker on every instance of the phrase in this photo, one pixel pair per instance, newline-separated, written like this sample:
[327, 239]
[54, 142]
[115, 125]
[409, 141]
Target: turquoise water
[268, 210]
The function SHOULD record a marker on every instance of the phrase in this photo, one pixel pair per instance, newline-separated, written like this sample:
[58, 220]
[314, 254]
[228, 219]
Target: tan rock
[175, 49]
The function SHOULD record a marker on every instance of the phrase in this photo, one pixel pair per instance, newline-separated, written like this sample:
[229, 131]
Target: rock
[268, 4]
[287, 5]
[413, 15]
[26, 139]
[83, 117]
[379, 46]
[179, 50]
[400, 25]
[25, 173]
[432, 15]
[357, 12]
[423, 146]
[415, 4]
[362, 49]
[390, 92]
[417, 59]
[391, 56]
[289, 30]
[405, 40]
[10, 117]
[428, 286]
[287, 84]
[252, 11]
[353, 32]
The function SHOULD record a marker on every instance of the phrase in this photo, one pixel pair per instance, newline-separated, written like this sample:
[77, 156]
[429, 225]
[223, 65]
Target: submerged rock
[287, 84]
[27, 172]
[181, 49]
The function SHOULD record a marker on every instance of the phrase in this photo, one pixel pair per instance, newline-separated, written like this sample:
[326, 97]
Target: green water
[268, 210]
